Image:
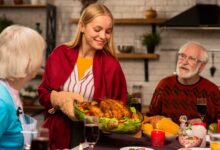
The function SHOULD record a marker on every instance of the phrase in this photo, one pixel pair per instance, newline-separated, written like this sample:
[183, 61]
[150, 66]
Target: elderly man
[179, 94]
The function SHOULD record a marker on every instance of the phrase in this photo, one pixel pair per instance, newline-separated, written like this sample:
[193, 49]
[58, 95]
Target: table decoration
[161, 123]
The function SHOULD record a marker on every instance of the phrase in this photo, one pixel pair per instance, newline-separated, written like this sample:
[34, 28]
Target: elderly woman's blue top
[10, 126]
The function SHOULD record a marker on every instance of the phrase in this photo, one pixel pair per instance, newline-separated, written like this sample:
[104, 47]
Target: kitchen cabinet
[50, 11]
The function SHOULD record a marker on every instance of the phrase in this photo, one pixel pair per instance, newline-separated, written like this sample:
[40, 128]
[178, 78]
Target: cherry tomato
[88, 113]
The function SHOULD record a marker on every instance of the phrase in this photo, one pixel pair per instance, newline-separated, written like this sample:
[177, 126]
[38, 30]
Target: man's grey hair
[205, 57]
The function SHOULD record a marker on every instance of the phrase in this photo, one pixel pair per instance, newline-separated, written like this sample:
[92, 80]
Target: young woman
[21, 55]
[83, 69]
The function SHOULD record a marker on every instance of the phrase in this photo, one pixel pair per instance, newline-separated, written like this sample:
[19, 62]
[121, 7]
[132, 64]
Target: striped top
[83, 86]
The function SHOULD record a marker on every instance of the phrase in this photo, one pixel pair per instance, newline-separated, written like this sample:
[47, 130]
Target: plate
[135, 148]
[207, 138]
[80, 146]
[124, 125]
[195, 148]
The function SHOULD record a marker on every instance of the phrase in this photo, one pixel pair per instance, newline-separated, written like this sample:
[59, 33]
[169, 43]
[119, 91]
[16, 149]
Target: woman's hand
[65, 102]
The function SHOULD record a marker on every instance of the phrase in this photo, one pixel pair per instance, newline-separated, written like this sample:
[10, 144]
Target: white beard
[189, 74]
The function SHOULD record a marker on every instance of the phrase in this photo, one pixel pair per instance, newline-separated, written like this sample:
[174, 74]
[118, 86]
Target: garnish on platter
[113, 115]
[160, 123]
[213, 128]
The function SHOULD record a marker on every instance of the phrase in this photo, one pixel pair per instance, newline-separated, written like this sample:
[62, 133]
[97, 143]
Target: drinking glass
[214, 141]
[136, 100]
[29, 125]
[201, 107]
[183, 134]
[41, 142]
[91, 130]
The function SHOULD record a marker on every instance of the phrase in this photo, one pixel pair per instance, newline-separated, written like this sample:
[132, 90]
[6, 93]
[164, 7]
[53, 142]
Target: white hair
[21, 51]
[204, 54]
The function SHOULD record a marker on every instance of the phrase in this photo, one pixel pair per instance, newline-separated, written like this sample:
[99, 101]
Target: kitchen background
[134, 70]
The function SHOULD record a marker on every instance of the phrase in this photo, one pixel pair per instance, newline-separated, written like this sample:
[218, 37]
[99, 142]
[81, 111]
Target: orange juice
[215, 145]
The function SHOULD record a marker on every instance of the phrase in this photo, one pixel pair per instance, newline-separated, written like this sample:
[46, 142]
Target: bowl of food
[189, 141]
[125, 48]
[114, 116]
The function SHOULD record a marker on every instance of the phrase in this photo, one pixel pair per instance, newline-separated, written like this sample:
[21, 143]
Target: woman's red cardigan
[109, 82]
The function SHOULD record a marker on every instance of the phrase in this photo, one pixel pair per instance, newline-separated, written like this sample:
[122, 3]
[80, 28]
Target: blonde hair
[21, 52]
[90, 13]
[204, 52]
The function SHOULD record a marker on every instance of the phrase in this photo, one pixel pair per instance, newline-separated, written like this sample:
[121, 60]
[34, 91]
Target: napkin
[200, 131]
[81, 146]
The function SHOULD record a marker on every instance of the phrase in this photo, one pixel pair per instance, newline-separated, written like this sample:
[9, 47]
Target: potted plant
[150, 40]
[86, 3]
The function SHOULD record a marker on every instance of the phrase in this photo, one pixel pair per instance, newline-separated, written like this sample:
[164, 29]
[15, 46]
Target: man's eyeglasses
[190, 59]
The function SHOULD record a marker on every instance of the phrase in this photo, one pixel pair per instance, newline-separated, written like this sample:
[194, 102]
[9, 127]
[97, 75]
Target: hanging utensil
[213, 68]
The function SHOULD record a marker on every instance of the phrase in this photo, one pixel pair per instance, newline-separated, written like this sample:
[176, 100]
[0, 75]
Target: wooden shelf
[130, 21]
[138, 21]
[50, 23]
[23, 6]
[137, 56]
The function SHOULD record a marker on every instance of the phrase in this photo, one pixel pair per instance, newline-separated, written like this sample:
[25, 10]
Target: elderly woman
[21, 55]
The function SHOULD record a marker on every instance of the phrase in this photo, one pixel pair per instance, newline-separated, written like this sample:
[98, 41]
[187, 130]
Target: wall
[171, 39]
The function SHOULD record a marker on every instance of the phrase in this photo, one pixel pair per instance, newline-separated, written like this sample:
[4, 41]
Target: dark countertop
[116, 141]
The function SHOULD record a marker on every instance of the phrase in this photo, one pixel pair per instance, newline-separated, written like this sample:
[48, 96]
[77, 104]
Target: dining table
[116, 141]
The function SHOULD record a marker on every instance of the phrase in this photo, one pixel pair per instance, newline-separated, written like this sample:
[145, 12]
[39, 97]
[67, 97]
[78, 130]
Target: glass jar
[136, 100]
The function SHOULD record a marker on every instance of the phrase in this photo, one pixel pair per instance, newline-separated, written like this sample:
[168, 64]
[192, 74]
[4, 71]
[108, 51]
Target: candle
[200, 123]
[218, 125]
[157, 138]
[80, 146]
